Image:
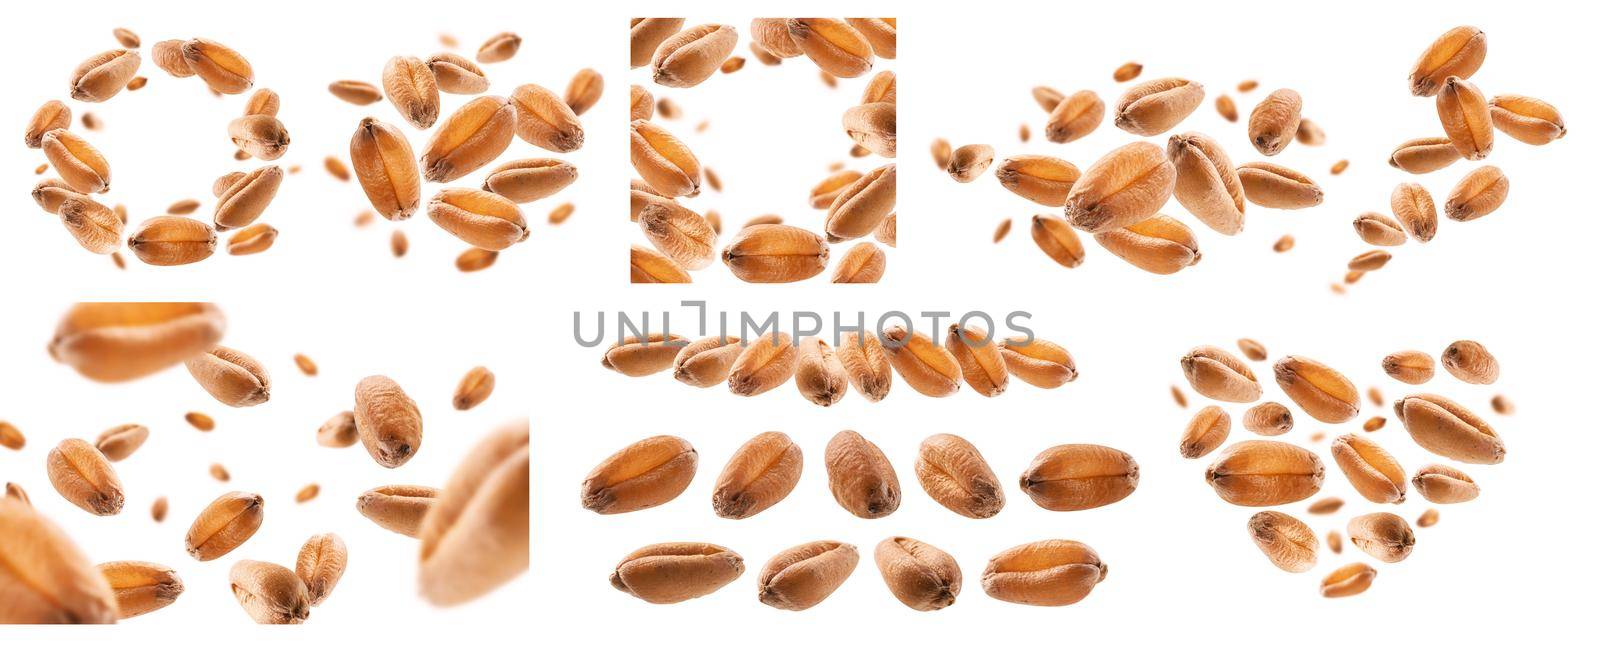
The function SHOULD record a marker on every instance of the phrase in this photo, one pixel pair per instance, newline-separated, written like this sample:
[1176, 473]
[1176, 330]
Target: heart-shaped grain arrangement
[1274, 471]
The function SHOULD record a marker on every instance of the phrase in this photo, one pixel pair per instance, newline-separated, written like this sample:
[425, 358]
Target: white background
[1510, 564]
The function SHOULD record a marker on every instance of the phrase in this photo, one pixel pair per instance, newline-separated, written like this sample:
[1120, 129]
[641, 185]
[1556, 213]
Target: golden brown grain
[676, 571]
[1074, 116]
[307, 493]
[525, 181]
[1159, 244]
[1310, 134]
[1369, 261]
[45, 577]
[1043, 179]
[471, 137]
[1283, 244]
[320, 564]
[200, 421]
[475, 537]
[223, 525]
[707, 361]
[1413, 207]
[663, 160]
[1445, 428]
[977, 352]
[882, 87]
[1444, 485]
[219, 472]
[866, 365]
[1205, 432]
[232, 377]
[1478, 193]
[1077, 477]
[645, 474]
[679, 233]
[1278, 187]
[223, 69]
[11, 437]
[339, 431]
[480, 218]
[269, 593]
[872, 126]
[1124, 187]
[833, 44]
[1040, 363]
[803, 576]
[880, 32]
[252, 239]
[1424, 155]
[1046, 573]
[689, 57]
[1526, 119]
[860, 476]
[763, 365]
[386, 169]
[1207, 184]
[1227, 108]
[863, 263]
[78, 163]
[456, 74]
[1153, 107]
[1275, 121]
[955, 475]
[95, 227]
[474, 388]
[1349, 580]
[51, 116]
[646, 34]
[247, 198]
[819, 374]
[1265, 473]
[119, 341]
[860, 207]
[928, 368]
[824, 193]
[398, 508]
[102, 76]
[1286, 541]
[772, 34]
[969, 161]
[1269, 419]
[1318, 389]
[761, 473]
[388, 421]
[119, 442]
[1384, 536]
[1458, 52]
[1464, 114]
[84, 477]
[172, 240]
[141, 587]
[1470, 362]
[1325, 506]
[50, 193]
[1219, 375]
[359, 93]
[776, 254]
[1428, 518]
[1378, 229]
[1410, 367]
[499, 48]
[168, 55]
[918, 574]
[1374, 473]
[636, 356]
